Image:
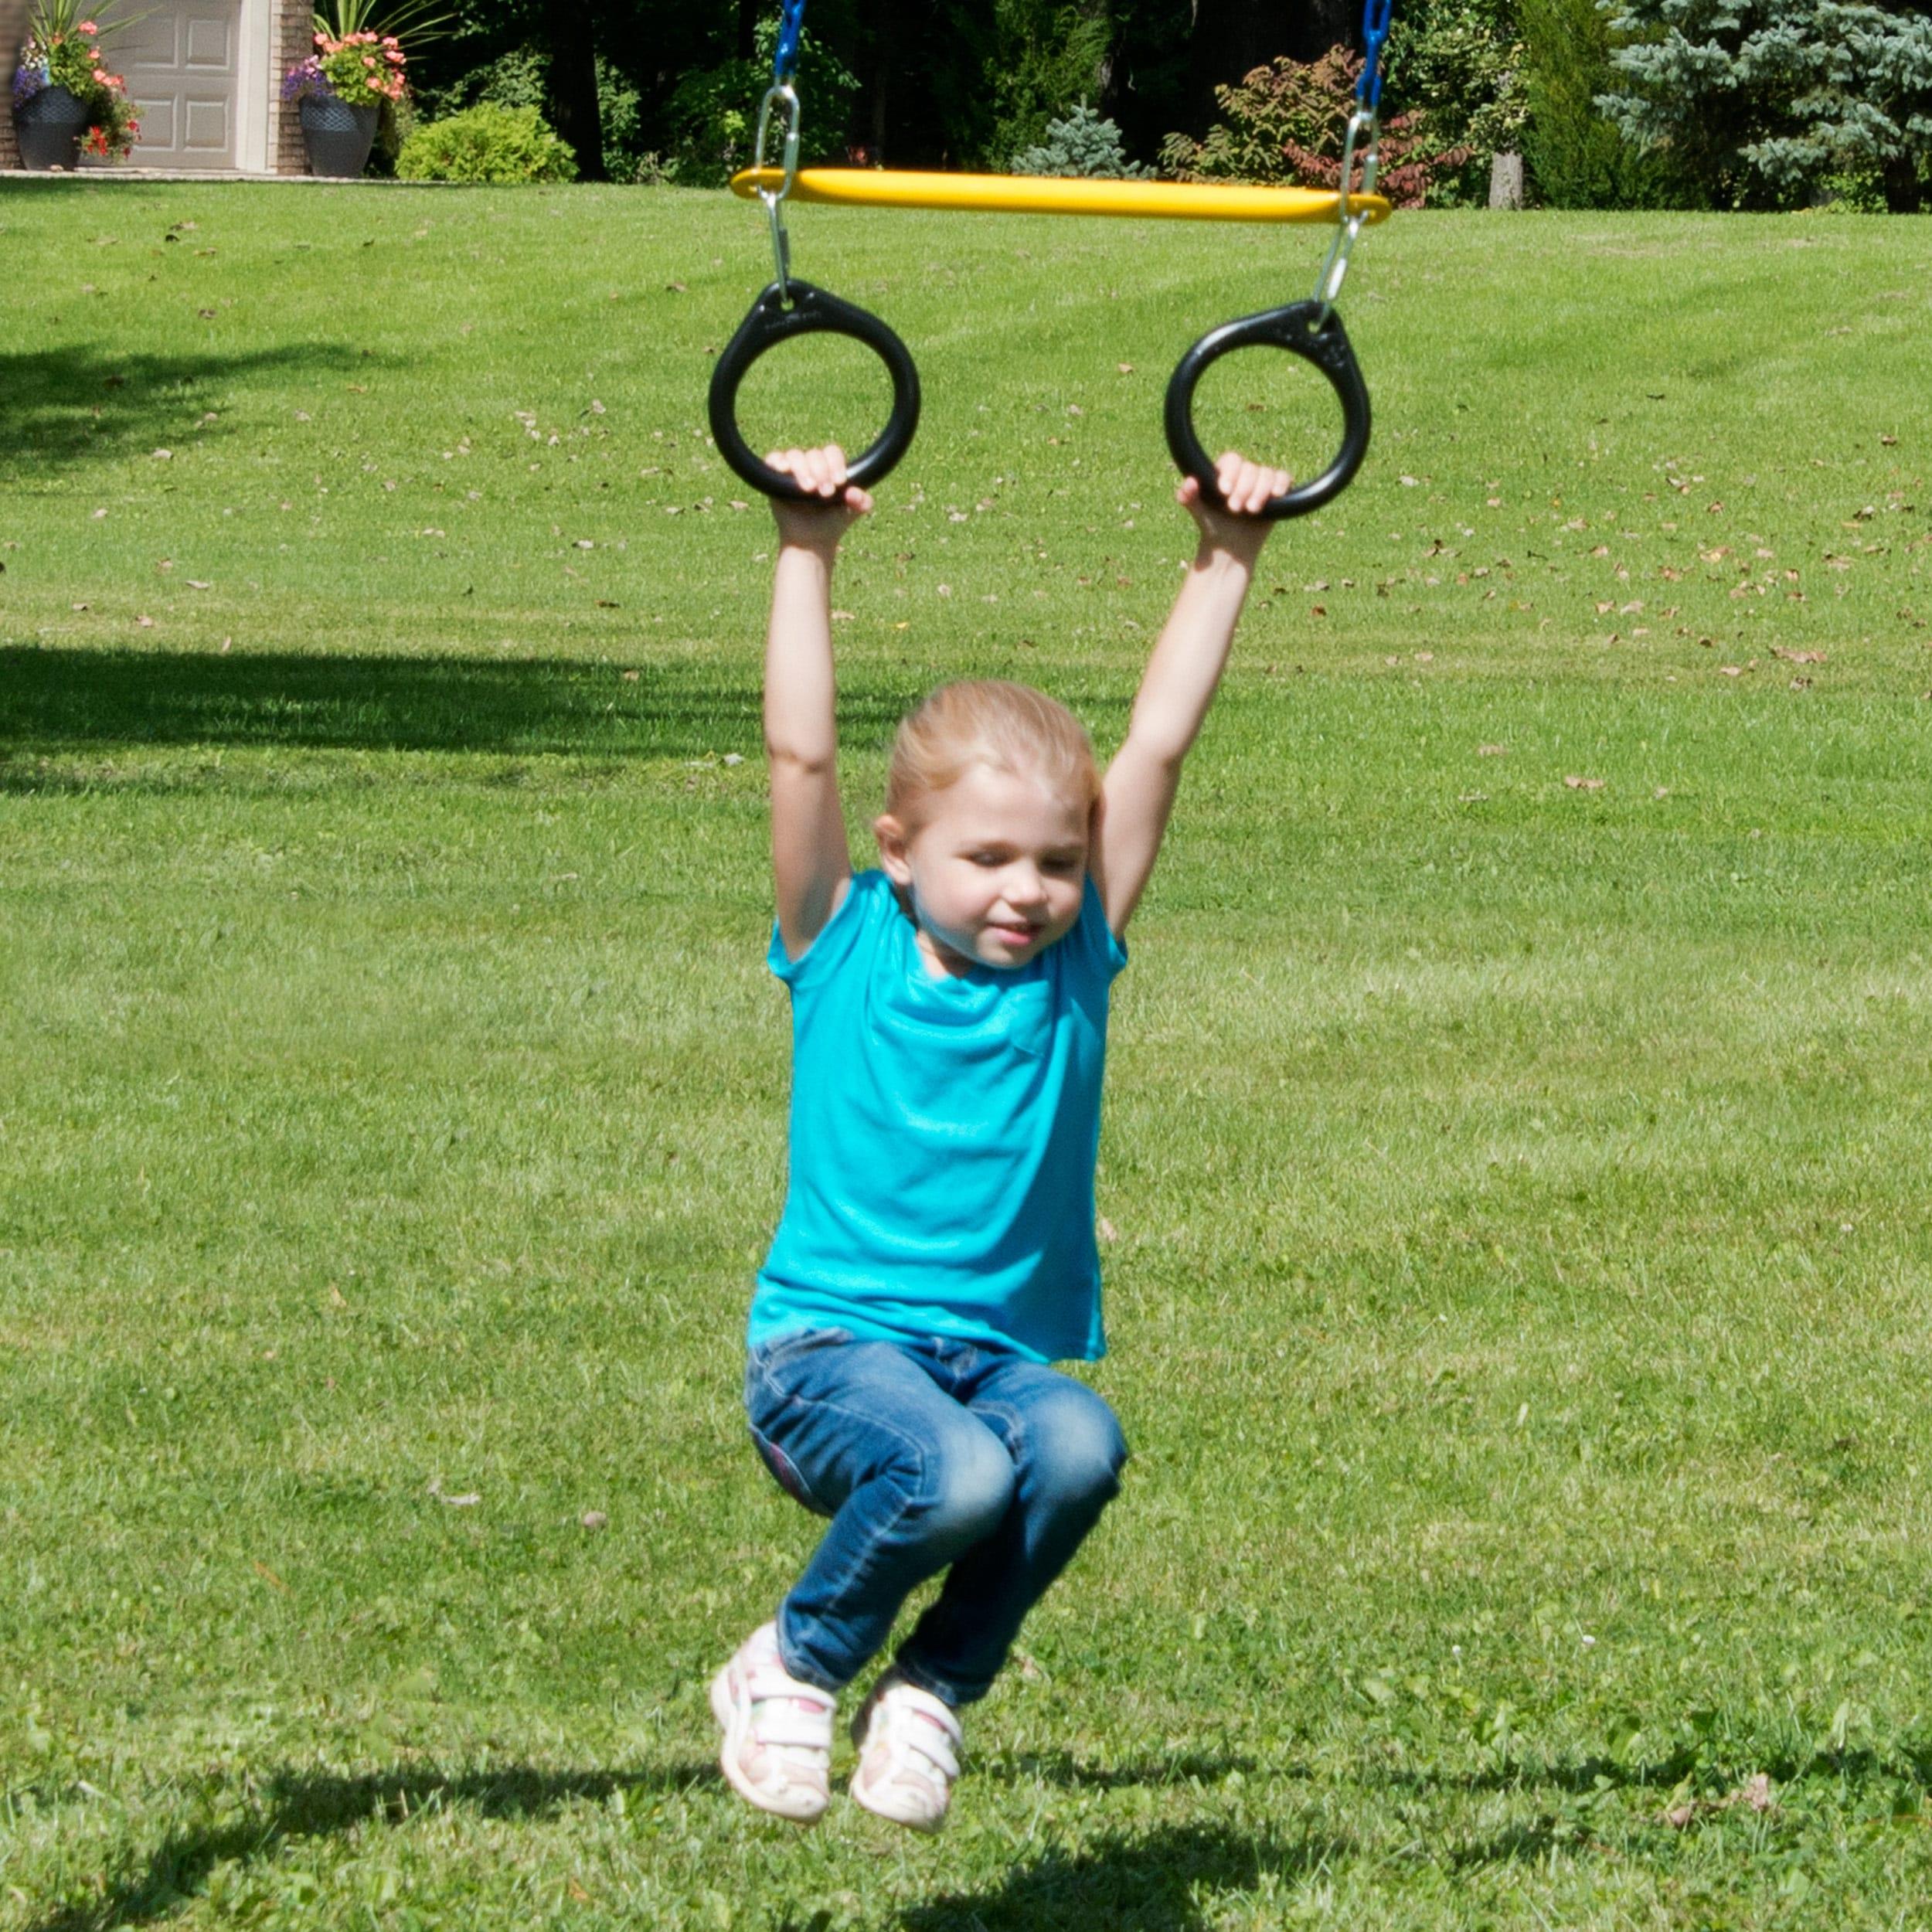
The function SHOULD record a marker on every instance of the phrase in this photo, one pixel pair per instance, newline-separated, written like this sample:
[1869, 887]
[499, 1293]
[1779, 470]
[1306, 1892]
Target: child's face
[995, 870]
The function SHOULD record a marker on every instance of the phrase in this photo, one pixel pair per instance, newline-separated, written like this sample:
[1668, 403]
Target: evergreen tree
[1764, 100]
[1081, 142]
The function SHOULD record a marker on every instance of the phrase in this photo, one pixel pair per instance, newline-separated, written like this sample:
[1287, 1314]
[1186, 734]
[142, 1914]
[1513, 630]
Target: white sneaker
[778, 1732]
[909, 1744]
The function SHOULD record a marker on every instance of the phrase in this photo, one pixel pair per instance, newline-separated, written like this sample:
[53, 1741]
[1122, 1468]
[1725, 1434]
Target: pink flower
[87, 26]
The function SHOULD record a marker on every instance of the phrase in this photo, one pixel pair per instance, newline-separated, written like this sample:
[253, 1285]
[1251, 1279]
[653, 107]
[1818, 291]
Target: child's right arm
[811, 861]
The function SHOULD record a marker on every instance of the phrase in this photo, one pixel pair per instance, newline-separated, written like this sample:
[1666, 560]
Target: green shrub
[486, 144]
[1459, 63]
[521, 78]
[1576, 156]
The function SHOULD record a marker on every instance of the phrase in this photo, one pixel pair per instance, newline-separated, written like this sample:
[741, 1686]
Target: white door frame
[256, 83]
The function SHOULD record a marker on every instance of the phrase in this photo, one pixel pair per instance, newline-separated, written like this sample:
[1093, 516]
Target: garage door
[183, 62]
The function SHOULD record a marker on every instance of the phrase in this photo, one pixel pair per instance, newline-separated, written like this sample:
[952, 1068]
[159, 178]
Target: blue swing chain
[791, 24]
[783, 96]
[1363, 138]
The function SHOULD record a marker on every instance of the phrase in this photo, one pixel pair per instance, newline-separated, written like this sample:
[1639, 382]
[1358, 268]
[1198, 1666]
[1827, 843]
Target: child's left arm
[1179, 683]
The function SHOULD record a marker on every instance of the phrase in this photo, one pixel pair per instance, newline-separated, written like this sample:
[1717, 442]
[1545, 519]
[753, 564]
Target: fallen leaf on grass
[1755, 1792]
[1798, 657]
[1584, 784]
[1492, 751]
[268, 1576]
[594, 1519]
[198, 583]
[164, 456]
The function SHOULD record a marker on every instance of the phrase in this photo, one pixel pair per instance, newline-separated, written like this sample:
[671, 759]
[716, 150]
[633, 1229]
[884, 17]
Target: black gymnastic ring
[1300, 329]
[770, 321]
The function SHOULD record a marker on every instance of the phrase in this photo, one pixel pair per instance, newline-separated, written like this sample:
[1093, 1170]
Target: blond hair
[989, 721]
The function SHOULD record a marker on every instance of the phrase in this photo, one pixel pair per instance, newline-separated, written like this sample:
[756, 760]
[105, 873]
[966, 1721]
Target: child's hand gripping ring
[810, 311]
[1303, 330]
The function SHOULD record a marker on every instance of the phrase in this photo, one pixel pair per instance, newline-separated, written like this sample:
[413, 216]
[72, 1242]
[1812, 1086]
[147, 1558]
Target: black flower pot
[49, 126]
[339, 136]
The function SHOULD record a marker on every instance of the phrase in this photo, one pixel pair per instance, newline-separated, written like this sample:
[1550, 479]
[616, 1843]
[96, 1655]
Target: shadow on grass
[1170, 1879]
[64, 700]
[296, 1805]
[78, 403]
[1062, 1769]
[1166, 1881]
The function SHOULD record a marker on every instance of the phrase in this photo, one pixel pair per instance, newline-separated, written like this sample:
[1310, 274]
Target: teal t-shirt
[943, 1134]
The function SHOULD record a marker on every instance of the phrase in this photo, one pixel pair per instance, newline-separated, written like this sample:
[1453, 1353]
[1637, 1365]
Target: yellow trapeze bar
[1053, 195]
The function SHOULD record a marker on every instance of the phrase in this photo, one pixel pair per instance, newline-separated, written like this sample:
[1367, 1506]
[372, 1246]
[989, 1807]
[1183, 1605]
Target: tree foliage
[1764, 100]
[1083, 142]
[1746, 102]
[1287, 122]
[1576, 157]
[1461, 64]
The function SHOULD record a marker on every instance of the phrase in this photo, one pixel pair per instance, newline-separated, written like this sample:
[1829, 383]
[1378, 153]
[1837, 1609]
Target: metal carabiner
[1349, 220]
[781, 94]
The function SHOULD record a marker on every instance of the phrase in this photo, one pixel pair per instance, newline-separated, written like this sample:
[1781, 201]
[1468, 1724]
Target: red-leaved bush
[1285, 125]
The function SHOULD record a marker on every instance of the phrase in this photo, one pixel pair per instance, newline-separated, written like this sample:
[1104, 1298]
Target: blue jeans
[925, 1454]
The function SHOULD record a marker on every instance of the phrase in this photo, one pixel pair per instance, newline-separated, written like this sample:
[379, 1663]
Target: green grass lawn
[1520, 1274]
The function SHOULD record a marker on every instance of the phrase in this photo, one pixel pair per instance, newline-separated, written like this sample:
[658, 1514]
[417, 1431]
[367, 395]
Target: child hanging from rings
[936, 1254]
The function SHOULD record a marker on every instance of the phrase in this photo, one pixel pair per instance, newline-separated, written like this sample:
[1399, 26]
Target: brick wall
[13, 34]
[291, 40]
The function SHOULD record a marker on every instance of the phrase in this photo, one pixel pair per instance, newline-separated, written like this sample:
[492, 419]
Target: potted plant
[354, 77]
[342, 86]
[64, 98]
